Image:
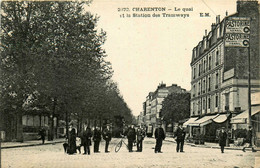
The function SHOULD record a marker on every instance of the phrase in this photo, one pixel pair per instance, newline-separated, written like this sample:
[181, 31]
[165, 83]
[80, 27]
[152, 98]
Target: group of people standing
[179, 136]
[135, 136]
[86, 137]
[247, 142]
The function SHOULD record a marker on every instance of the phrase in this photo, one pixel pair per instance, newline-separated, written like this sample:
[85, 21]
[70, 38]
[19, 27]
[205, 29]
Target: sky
[145, 51]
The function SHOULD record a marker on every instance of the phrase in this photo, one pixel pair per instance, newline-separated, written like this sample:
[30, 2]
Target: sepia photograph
[130, 84]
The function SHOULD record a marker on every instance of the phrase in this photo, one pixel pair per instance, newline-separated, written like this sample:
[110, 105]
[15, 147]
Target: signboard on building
[236, 40]
[238, 25]
[237, 32]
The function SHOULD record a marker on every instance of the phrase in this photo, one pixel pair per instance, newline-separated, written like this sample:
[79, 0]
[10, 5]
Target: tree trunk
[19, 127]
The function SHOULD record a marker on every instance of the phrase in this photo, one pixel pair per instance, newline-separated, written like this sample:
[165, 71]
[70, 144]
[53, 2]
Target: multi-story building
[153, 103]
[219, 84]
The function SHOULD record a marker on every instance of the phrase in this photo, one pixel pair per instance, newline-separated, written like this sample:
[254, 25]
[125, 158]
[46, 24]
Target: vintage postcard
[130, 83]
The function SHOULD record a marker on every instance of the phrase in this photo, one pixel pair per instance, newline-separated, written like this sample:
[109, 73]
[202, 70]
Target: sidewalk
[213, 145]
[6, 145]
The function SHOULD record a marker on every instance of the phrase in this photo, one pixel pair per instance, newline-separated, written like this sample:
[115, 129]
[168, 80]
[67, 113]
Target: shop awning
[203, 121]
[190, 120]
[241, 118]
[221, 118]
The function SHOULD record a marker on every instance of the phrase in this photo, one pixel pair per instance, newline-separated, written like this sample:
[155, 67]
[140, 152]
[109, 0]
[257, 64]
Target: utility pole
[249, 122]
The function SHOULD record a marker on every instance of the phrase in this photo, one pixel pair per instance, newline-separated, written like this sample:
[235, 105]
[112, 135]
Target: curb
[213, 147]
[30, 145]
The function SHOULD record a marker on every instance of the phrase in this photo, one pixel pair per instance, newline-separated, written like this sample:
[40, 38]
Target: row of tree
[52, 60]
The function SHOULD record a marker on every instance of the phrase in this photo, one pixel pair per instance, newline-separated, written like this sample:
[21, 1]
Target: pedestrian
[222, 139]
[140, 137]
[42, 134]
[131, 136]
[86, 141]
[107, 136]
[96, 139]
[159, 136]
[180, 136]
[72, 142]
[249, 137]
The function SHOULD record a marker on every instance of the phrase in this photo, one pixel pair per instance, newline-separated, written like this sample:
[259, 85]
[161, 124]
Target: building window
[199, 69]
[216, 86]
[199, 89]
[204, 86]
[194, 90]
[216, 103]
[194, 107]
[204, 67]
[194, 73]
[217, 58]
[199, 107]
[209, 62]
[209, 103]
[204, 104]
[209, 84]
[227, 101]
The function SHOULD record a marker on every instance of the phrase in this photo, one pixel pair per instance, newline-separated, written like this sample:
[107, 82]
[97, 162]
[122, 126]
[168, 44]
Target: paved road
[53, 156]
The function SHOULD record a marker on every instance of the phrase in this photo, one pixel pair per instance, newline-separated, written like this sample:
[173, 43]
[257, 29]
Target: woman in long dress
[72, 142]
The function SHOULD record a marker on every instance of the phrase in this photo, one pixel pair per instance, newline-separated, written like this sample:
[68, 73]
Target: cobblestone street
[53, 156]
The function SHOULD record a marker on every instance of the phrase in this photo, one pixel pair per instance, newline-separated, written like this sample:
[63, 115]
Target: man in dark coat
[140, 137]
[96, 139]
[107, 135]
[131, 136]
[42, 134]
[159, 136]
[222, 139]
[249, 137]
[86, 140]
[180, 134]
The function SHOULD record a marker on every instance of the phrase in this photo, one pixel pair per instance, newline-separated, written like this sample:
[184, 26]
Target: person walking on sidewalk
[180, 136]
[107, 136]
[86, 141]
[96, 139]
[159, 136]
[249, 137]
[42, 134]
[222, 139]
[131, 136]
[140, 138]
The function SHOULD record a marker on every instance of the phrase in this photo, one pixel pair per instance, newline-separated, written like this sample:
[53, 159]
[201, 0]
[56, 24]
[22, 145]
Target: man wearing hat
[107, 135]
[222, 139]
[180, 134]
[131, 136]
[249, 137]
[159, 136]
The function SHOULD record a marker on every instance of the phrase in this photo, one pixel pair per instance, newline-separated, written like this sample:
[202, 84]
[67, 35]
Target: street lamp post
[249, 89]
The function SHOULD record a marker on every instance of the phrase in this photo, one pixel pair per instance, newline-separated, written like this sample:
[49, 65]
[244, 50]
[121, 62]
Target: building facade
[219, 84]
[153, 104]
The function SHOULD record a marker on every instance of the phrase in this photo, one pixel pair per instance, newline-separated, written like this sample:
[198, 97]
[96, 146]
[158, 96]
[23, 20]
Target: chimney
[226, 13]
[217, 19]
[213, 26]
[206, 32]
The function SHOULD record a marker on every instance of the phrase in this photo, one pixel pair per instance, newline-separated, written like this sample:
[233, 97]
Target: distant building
[219, 84]
[153, 104]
